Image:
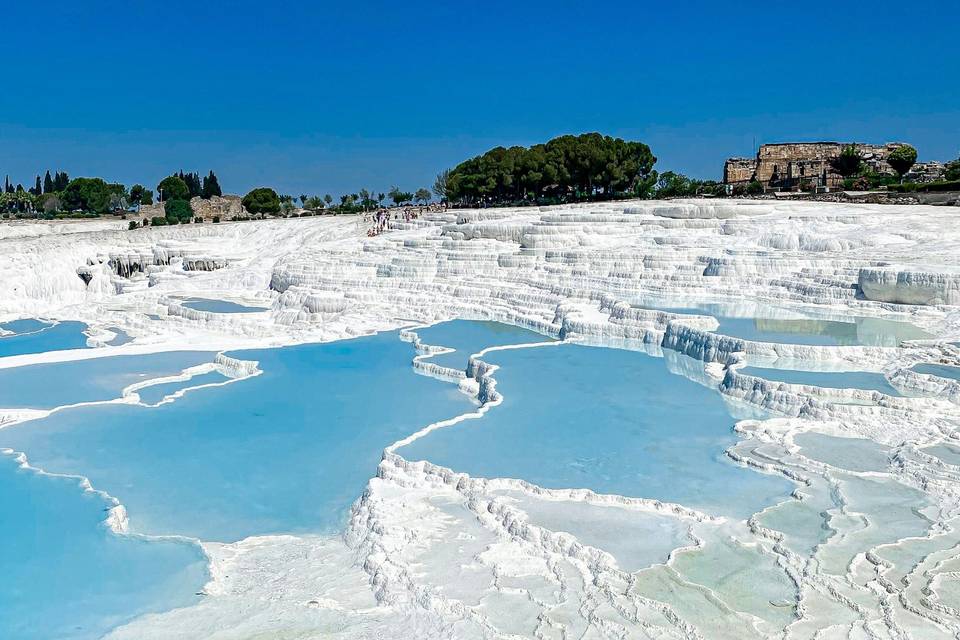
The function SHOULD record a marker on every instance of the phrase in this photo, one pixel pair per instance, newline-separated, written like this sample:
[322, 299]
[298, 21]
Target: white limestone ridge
[433, 553]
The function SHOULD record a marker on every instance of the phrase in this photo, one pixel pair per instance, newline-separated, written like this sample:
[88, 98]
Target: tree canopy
[88, 194]
[173, 188]
[178, 211]
[587, 166]
[422, 196]
[902, 158]
[262, 200]
[211, 187]
[953, 170]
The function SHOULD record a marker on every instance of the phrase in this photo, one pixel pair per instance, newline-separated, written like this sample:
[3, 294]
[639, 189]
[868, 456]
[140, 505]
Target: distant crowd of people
[378, 219]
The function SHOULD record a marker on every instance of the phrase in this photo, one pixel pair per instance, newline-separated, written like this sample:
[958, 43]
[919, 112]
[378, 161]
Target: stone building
[926, 172]
[224, 206]
[793, 165]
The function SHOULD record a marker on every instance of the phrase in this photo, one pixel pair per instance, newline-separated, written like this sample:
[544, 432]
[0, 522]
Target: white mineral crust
[433, 553]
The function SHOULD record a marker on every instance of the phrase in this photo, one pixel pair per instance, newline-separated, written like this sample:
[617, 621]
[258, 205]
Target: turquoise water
[45, 386]
[63, 335]
[941, 370]
[25, 325]
[66, 576]
[219, 306]
[468, 337]
[608, 420]
[761, 324]
[866, 380]
[157, 392]
[286, 451]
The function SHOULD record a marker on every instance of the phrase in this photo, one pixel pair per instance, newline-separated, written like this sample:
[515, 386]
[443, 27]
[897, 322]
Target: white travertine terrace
[432, 553]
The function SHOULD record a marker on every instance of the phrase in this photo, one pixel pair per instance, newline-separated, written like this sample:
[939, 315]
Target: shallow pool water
[157, 392]
[635, 539]
[468, 337]
[768, 323]
[65, 575]
[24, 326]
[219, 306]
[608, 420]
[285, 451]
[121, 337]
[62, 335]
[946, 452]
[940, 370]
[866, 380]
[850, 454]
[49, 385]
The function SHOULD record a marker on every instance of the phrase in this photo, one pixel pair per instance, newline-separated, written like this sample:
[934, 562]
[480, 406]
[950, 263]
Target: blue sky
[322, 97]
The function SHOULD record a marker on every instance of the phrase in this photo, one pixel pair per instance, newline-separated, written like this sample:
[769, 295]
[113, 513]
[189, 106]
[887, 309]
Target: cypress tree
[211, 187]
[6, 185]
[37, 188]
[47, 183]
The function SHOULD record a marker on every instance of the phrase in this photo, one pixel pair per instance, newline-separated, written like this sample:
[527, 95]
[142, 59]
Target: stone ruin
[792, 165]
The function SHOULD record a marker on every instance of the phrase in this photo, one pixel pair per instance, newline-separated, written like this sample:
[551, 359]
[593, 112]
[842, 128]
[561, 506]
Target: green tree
[313, 203]
[91, 195]
[48, 183]
[286, 204]
[901, 159]
[211, 187]
[60, 181]
[952, 170]
[328, 199]
[192, 180]
[178, 211]
[399, 197]
[422, 196]
[585, 167]
[140, 195]
[173, 188]
[848, 163]
[37, 187]
[262, 200]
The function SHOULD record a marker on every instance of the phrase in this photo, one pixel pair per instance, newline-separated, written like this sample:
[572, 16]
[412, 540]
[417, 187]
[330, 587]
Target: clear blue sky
[318, 97]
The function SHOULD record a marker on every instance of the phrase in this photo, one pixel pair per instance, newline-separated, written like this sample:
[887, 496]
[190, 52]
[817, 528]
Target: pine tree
[37, 188]
[47, 183]
[6, 185]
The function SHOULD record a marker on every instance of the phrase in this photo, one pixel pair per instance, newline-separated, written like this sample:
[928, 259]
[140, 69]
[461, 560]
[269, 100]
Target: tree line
[58, 196]
[567, 168]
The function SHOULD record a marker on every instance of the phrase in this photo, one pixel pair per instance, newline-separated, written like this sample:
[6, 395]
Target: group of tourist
[379, 218]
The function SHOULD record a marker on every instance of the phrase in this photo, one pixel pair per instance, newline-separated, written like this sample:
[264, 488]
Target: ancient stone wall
[225, 207]
[739, 170]
[796, 164]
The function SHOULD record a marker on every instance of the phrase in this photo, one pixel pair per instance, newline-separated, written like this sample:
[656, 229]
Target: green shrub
[911, 187]
[952, 171]
[179, 210]
[262, 200]
[158, 221]
[216, 219]
[133, 225]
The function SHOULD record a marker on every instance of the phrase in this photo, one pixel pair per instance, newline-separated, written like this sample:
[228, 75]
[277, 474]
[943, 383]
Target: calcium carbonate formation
[860, 550]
